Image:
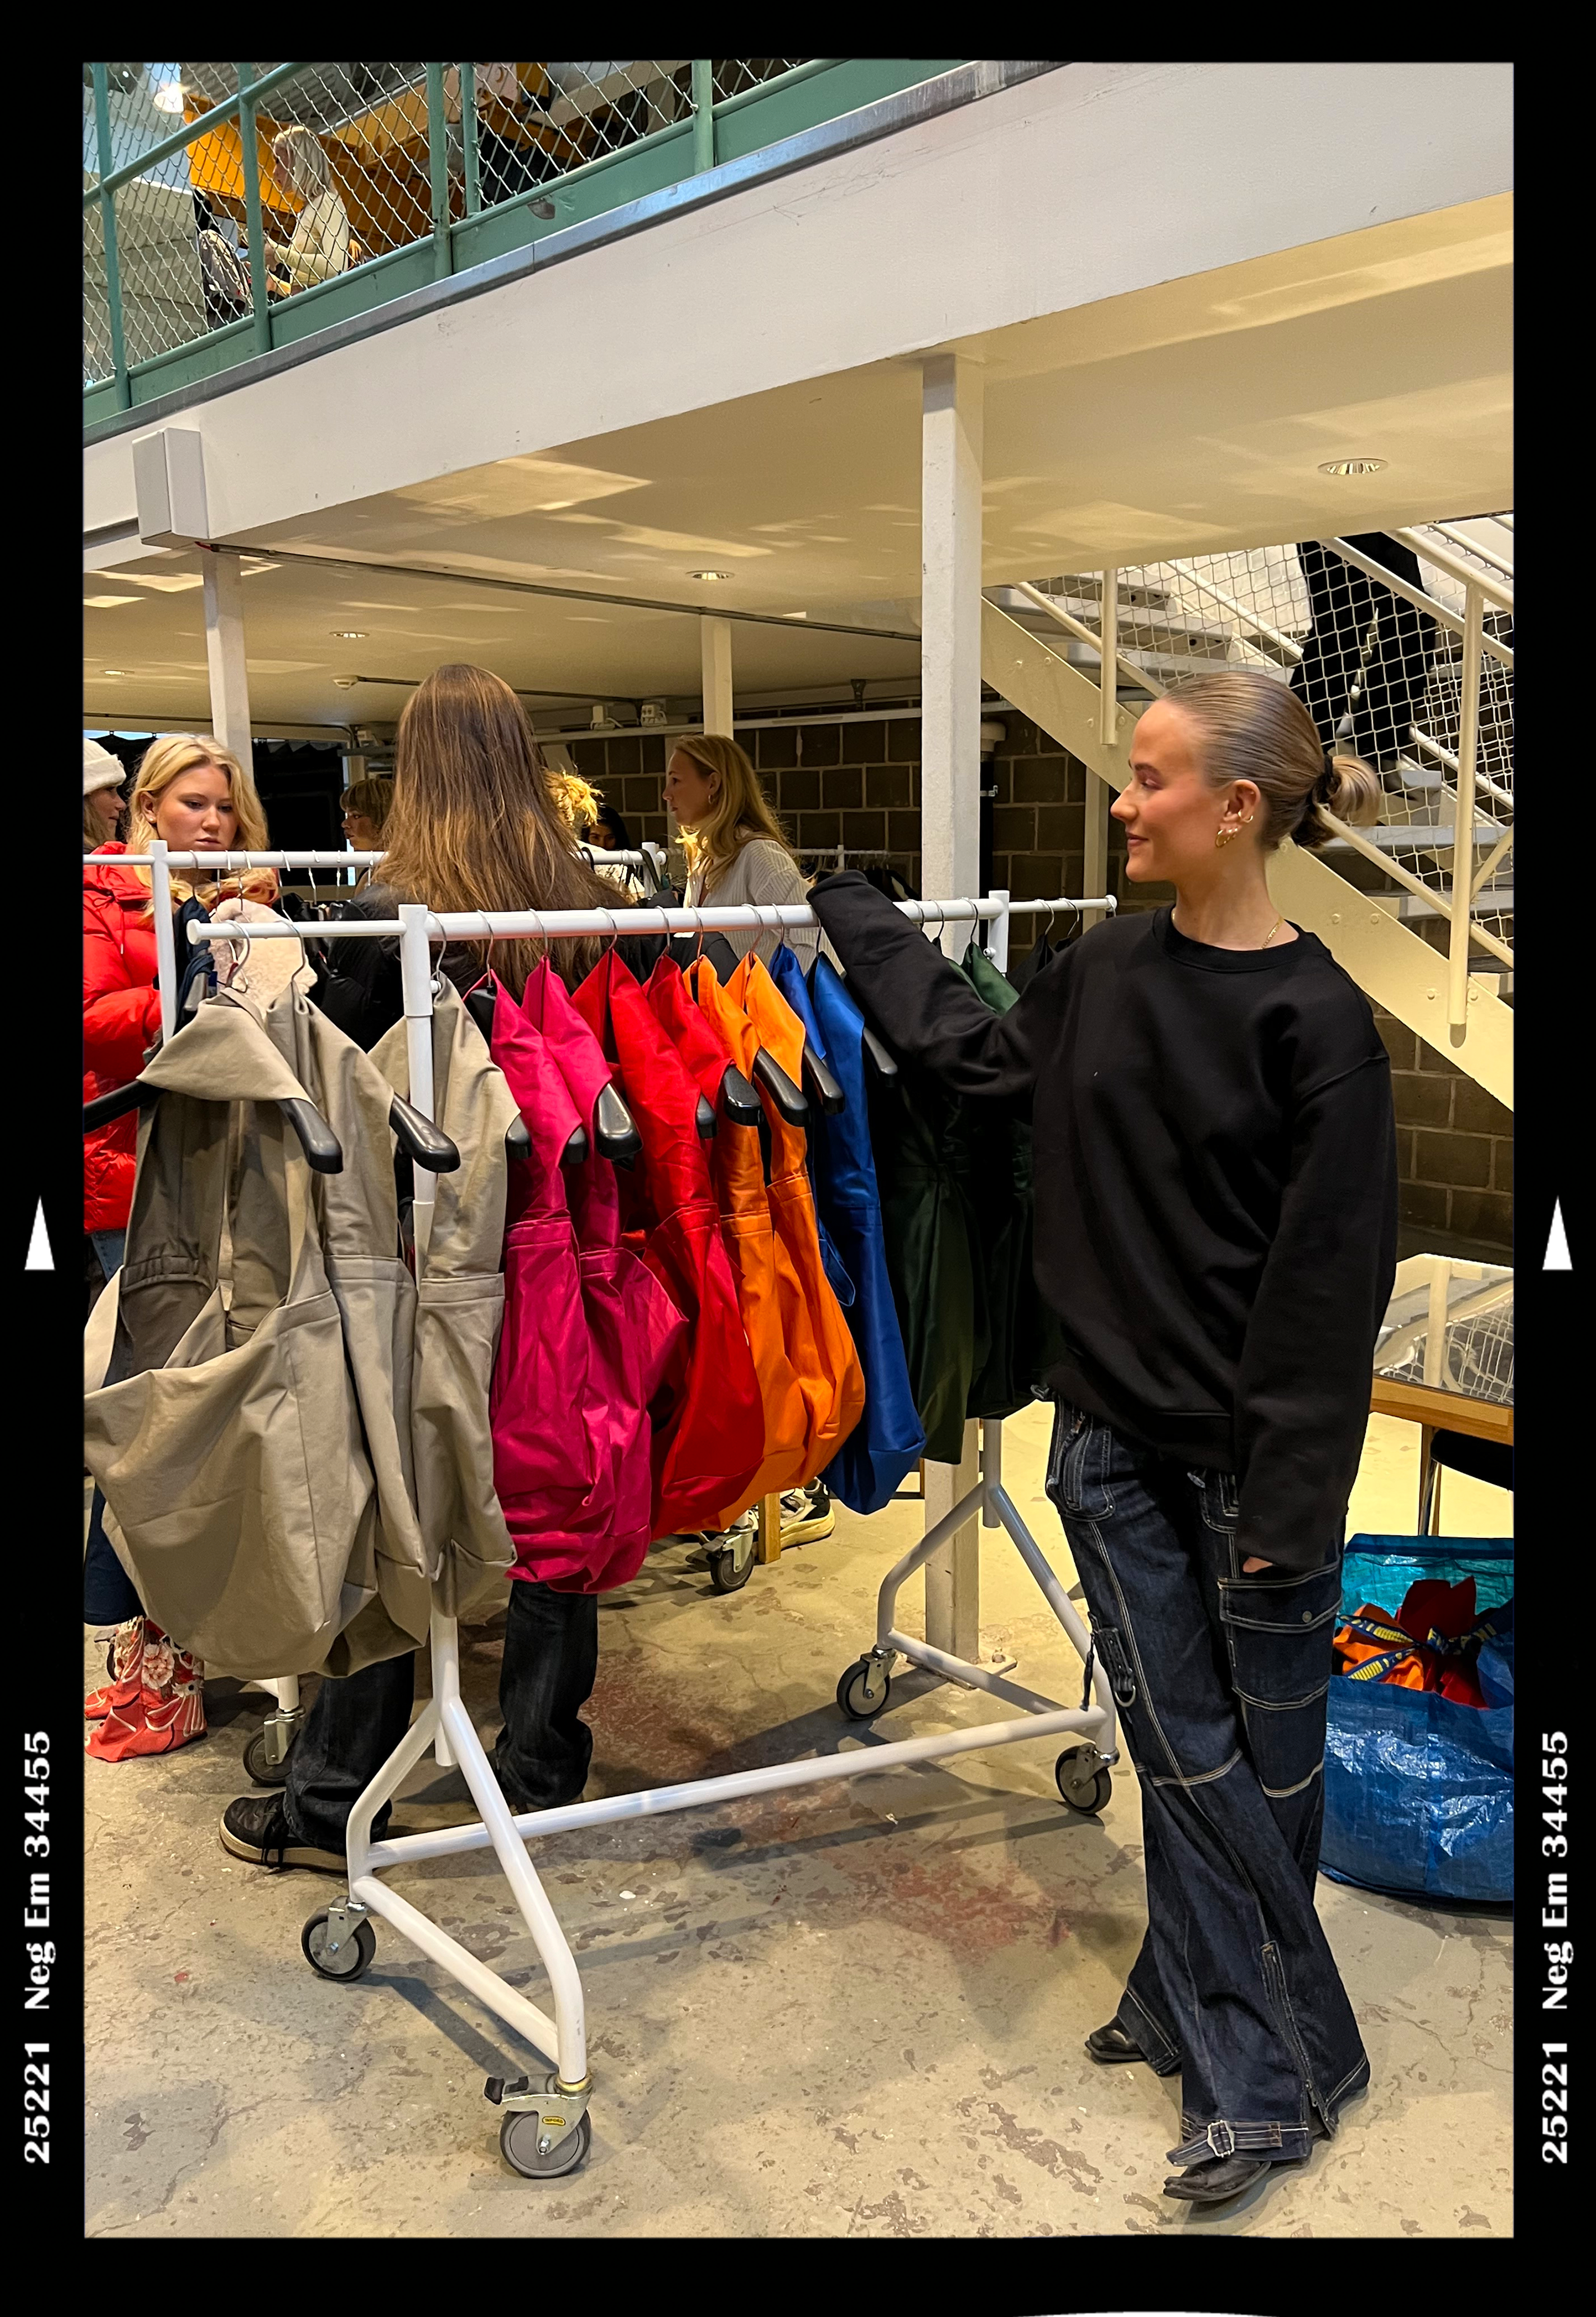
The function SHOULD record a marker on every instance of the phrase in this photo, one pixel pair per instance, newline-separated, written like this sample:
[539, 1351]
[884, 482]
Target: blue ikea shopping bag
[1417, 1791]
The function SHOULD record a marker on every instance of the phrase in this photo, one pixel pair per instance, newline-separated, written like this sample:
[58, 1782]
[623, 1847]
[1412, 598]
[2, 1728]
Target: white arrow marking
[1558, 1254]
[40, 1258]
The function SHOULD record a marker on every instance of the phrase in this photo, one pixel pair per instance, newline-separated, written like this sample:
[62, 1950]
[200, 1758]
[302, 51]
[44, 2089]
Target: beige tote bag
[358, 1214]
[227, 1445]
[459, 1311]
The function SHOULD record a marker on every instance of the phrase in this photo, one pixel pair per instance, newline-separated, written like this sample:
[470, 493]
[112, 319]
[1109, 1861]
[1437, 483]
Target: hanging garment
[928, 1252]
[238, 1494]
[834, 1385]
[709, 1439]
[1025, 1334]
[749, 1237]
[889, 1440]
[544, 1467]
[801, 1341]
[357, 1219]
[635, 1334]
[459, 1305]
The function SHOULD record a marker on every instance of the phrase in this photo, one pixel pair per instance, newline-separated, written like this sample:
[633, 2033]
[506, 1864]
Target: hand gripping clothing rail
[547, 2128]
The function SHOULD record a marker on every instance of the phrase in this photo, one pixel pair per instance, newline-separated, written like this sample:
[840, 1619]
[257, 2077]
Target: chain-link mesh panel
[344, 160]
[734, 74]
[1382, 676]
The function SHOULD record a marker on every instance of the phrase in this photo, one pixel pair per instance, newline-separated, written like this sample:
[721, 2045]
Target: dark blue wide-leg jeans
[1221, 1682]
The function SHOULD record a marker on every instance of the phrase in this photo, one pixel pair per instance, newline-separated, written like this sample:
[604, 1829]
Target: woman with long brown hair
[476, 823]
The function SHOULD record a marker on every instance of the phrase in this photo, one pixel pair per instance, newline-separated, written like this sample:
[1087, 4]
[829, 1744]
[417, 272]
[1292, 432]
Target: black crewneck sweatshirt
[1216, 1185]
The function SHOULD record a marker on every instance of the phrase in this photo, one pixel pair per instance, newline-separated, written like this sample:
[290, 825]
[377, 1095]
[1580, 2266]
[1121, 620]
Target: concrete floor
[855, 2010]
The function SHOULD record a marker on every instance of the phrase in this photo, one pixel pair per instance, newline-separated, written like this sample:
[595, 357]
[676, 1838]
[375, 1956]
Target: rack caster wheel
[519, 2135]
[1081, 1783]
[264, 1772]
[864, 1691]
[732, 1565]
[355, 1955]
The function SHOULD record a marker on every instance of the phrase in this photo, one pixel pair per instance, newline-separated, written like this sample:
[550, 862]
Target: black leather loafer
[1111, 2045]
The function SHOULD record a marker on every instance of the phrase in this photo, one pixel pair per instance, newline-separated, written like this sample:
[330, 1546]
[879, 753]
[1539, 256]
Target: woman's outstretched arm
[922, 1005]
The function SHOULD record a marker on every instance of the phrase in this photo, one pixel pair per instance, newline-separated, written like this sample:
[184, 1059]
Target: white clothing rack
[546, 2129]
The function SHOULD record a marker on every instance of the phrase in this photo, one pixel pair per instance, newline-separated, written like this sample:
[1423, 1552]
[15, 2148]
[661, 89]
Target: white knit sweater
[763, 871]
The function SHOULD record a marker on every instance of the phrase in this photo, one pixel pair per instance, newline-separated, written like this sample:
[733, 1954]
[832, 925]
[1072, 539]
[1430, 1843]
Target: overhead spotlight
[349, 635]
[116, 671]
[708, 575]
[1351, 466]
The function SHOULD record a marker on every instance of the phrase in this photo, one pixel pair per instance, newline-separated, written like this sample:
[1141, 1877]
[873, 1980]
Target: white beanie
[100, 769]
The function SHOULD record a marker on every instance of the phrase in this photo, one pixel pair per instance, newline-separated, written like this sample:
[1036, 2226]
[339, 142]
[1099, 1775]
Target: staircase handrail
[1472, 546]
[1426, 603]
[1495, 591]
[1142, 678]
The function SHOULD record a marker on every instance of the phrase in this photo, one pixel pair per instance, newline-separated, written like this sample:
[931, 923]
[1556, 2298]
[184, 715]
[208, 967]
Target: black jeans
[1221, 1682]
[1346, 603]
[541, 1757]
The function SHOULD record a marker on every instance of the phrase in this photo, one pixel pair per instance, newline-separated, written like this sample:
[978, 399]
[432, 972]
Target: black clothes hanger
[323, 1151]
[820, 1085]
[782, 1092]
[880, 1059]
[420, 1141]
[738, 1099]
[704, 1119]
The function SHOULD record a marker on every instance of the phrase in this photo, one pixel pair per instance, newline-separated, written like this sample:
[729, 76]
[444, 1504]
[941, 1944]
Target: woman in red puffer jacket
[192, 792]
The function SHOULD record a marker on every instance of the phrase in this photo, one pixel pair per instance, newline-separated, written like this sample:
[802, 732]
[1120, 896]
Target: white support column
[224, 650]
[1098, 794]
[953, 1573]
[715, 646]
[951, 630]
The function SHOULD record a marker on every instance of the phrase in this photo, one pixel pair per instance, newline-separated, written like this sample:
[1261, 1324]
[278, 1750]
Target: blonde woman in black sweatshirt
[1215, 1222]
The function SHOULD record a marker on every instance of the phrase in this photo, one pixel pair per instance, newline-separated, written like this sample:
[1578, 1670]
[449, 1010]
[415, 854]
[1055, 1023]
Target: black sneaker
[255, 1827]
[807, 1512]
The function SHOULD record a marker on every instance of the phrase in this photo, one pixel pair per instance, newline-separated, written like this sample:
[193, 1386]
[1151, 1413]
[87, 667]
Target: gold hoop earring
[1223, 835]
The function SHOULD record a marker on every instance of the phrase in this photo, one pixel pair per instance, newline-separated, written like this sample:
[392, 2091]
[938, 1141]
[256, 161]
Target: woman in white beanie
[102, 778]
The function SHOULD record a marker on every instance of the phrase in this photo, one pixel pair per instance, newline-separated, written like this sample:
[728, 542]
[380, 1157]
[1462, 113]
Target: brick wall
[858, 785]
[1454, 1153]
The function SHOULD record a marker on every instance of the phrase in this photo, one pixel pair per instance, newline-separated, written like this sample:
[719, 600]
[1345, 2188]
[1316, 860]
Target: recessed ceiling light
[349, 635]
[116, 671]
[708, 575]
[168, 98]
[1351, 466]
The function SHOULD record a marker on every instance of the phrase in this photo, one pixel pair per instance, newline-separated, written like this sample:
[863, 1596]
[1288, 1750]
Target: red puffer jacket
[122, 1018]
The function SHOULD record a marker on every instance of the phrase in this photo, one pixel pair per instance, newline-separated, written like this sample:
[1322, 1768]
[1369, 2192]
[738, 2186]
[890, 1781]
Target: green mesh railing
[230, 208]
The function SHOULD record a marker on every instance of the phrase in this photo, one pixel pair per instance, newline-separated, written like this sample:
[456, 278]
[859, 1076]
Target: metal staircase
[1407, 661]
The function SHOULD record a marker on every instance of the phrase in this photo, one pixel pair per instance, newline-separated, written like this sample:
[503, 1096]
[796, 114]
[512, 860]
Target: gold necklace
[1274, 930]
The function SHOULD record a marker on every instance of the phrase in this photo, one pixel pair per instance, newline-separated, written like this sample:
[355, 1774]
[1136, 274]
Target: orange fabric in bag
[747, 1232]
[823, 1353]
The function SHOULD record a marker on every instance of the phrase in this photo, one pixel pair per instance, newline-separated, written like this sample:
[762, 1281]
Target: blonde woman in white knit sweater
[736, 850]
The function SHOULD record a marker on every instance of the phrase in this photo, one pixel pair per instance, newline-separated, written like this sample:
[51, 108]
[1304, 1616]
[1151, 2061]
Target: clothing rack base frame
[338, 1941]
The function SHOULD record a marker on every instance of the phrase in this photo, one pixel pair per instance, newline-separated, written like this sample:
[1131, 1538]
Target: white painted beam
[950, 629]
[225, 653]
